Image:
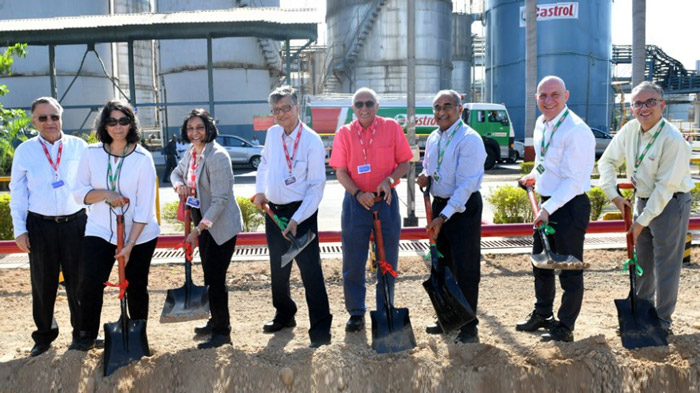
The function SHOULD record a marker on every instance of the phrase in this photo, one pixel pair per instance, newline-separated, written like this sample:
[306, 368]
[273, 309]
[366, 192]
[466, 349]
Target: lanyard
[294, 152]
[113, 178]
[441, 153]
[371, 138]
[544, 148]
[646, 149]
[194, 166]
[48, 156]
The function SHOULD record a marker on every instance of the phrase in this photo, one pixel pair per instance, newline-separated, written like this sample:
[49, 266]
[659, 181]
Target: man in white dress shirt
[564, 159]
[290, 179]
[658, 163]
[454, 159]
[48, 223]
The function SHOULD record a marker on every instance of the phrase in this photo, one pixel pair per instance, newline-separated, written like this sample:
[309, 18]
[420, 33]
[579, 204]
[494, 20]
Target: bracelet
[357, 193]
[196, 228]
[444, 217]
[391, 180]
[131, 241]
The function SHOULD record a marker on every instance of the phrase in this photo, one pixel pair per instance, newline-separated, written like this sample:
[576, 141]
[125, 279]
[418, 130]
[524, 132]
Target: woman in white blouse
[111, 172]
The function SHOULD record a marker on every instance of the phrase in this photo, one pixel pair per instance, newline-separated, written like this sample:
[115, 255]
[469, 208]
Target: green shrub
[169, 215]
[6, 231]
[695, 197]
[526, 167]
[252, 217]
[599, 201]
[627, 194]
[511, 205]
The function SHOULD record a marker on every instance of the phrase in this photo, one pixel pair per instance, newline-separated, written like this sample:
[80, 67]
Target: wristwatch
[391, 180]
[444, 217]
[196, 228]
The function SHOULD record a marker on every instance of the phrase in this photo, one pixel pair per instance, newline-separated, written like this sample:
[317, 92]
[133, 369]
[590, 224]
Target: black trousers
[98, 258]
[309, 263]
[215, 262]
[54, 246]
[459, 241]
[570, 222]
[170, 164]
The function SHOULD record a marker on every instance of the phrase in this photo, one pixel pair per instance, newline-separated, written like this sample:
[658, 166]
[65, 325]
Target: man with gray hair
[48, 223]
[657, 159]
[290, 179]
[454, 163]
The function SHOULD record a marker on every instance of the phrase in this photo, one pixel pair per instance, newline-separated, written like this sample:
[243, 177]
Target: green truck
[327, 114]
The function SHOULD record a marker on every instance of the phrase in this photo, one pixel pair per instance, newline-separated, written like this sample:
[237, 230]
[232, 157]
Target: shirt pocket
[384, 159]
[553, 159]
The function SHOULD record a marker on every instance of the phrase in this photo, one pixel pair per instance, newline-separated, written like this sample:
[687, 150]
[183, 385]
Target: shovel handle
[120, 246]
[428, 207]
[378, 238]
[528, 186]
[269, 212]
[630, 237]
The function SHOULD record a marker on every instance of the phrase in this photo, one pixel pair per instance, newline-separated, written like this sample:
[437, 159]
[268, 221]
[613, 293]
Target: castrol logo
[421, 120]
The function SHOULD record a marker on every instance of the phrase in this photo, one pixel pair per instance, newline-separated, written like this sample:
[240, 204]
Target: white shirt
[568, 162]
[32, 176]
[462, 167]
[181, 148]
[308, 168]
[137, 182]
[664, 170]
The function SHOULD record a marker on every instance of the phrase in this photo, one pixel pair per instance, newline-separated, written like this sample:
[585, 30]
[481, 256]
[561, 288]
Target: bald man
[565, 155]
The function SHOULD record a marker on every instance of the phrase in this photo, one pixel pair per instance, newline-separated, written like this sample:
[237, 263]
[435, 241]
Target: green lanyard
[441, 153]
[113, 178]
[544, 148]
[646, 149]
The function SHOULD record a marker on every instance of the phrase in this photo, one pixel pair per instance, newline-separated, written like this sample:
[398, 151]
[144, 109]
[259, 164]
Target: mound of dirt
[503, 361]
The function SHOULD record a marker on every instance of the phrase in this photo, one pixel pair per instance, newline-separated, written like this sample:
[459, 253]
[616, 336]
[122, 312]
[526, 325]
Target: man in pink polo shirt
[369, 156]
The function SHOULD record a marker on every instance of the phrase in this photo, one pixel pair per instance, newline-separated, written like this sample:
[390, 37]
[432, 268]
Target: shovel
[298, 243]
[391, 327]
[189, 302]
[125, 340]
[547, 259]
[639, 323]
[452, 309]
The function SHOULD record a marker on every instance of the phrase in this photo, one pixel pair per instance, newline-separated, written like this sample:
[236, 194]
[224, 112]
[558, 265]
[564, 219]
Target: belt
[60, 219]
[440, 199]
[286, 206]
[675, 195]
[545, 198]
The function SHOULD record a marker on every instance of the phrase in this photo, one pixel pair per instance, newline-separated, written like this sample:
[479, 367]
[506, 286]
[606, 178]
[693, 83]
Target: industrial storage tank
[241, 72]
[30, 77]
[461, 53]
[367, 41]
[573, 42]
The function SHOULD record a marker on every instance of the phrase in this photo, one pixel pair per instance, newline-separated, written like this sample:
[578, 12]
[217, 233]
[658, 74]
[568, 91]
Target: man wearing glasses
[48, 223]
[564, 159]
[369, 155]
[290, 179]
[657, 159]
[454, 162]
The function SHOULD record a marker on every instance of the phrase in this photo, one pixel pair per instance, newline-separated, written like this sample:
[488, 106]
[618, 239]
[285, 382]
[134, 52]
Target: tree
[13, 122]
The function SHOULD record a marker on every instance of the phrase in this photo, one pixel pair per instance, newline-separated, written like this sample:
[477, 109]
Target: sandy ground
[504, 360]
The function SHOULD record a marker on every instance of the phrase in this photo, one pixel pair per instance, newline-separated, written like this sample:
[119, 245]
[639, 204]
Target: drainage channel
[492, 245]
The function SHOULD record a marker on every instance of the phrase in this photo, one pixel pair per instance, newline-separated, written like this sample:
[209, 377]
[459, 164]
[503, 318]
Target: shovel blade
[557, 262]
[451, 307]
[187, 303]
[123, 347]
[299, 243]
[639, 326]
[391, 330]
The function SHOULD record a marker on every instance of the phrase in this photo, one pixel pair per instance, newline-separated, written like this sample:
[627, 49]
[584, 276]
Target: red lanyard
[371, 138]
[294, 152]
[48, 156]
[195, 165]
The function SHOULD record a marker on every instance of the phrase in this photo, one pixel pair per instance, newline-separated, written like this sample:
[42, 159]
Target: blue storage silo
[573, 42]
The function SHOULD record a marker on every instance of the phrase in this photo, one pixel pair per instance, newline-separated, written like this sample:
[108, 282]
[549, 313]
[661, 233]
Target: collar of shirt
[550, 124]
[648, 134]
[59, 141]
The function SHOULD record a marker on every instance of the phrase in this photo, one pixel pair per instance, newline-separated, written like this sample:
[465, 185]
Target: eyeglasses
[446, 108]
[123, 121]
[45, 118]
[282, 109]
[650, 103]
[367, 104]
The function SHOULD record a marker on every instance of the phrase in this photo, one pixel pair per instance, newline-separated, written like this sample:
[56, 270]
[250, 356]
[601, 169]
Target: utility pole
[530, 76]
[411, 220]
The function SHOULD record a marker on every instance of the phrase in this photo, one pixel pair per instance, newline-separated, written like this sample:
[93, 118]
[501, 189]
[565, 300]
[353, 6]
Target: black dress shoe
[434, 328]
[355, 323]
[320, 342]
[205, 329]
[274, 326]
[100, 342]
[468, 336]
[558, 332]
[534, 322]
[215, 341]
[38, 349]
[83, 344]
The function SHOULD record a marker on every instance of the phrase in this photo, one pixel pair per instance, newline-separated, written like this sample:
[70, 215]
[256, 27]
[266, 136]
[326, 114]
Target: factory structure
[365, 45]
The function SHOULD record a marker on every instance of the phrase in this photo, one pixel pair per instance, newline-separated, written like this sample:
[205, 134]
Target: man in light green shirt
[657, 159]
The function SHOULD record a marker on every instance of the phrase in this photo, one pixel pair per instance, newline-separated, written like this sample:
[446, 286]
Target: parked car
[240, 150]
[602, 140]
[518, 151]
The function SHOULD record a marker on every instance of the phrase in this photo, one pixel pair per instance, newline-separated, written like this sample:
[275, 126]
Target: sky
[669, 24]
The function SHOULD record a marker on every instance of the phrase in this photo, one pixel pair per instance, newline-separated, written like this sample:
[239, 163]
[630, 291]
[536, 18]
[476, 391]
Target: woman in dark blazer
[204, 176]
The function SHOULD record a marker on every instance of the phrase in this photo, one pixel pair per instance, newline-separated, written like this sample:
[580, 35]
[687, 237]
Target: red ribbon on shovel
[122, 287]
[188, 250]
[386, 268]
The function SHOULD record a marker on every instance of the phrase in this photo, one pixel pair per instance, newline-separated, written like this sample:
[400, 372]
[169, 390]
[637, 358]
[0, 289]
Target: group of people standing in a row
[55, 175]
